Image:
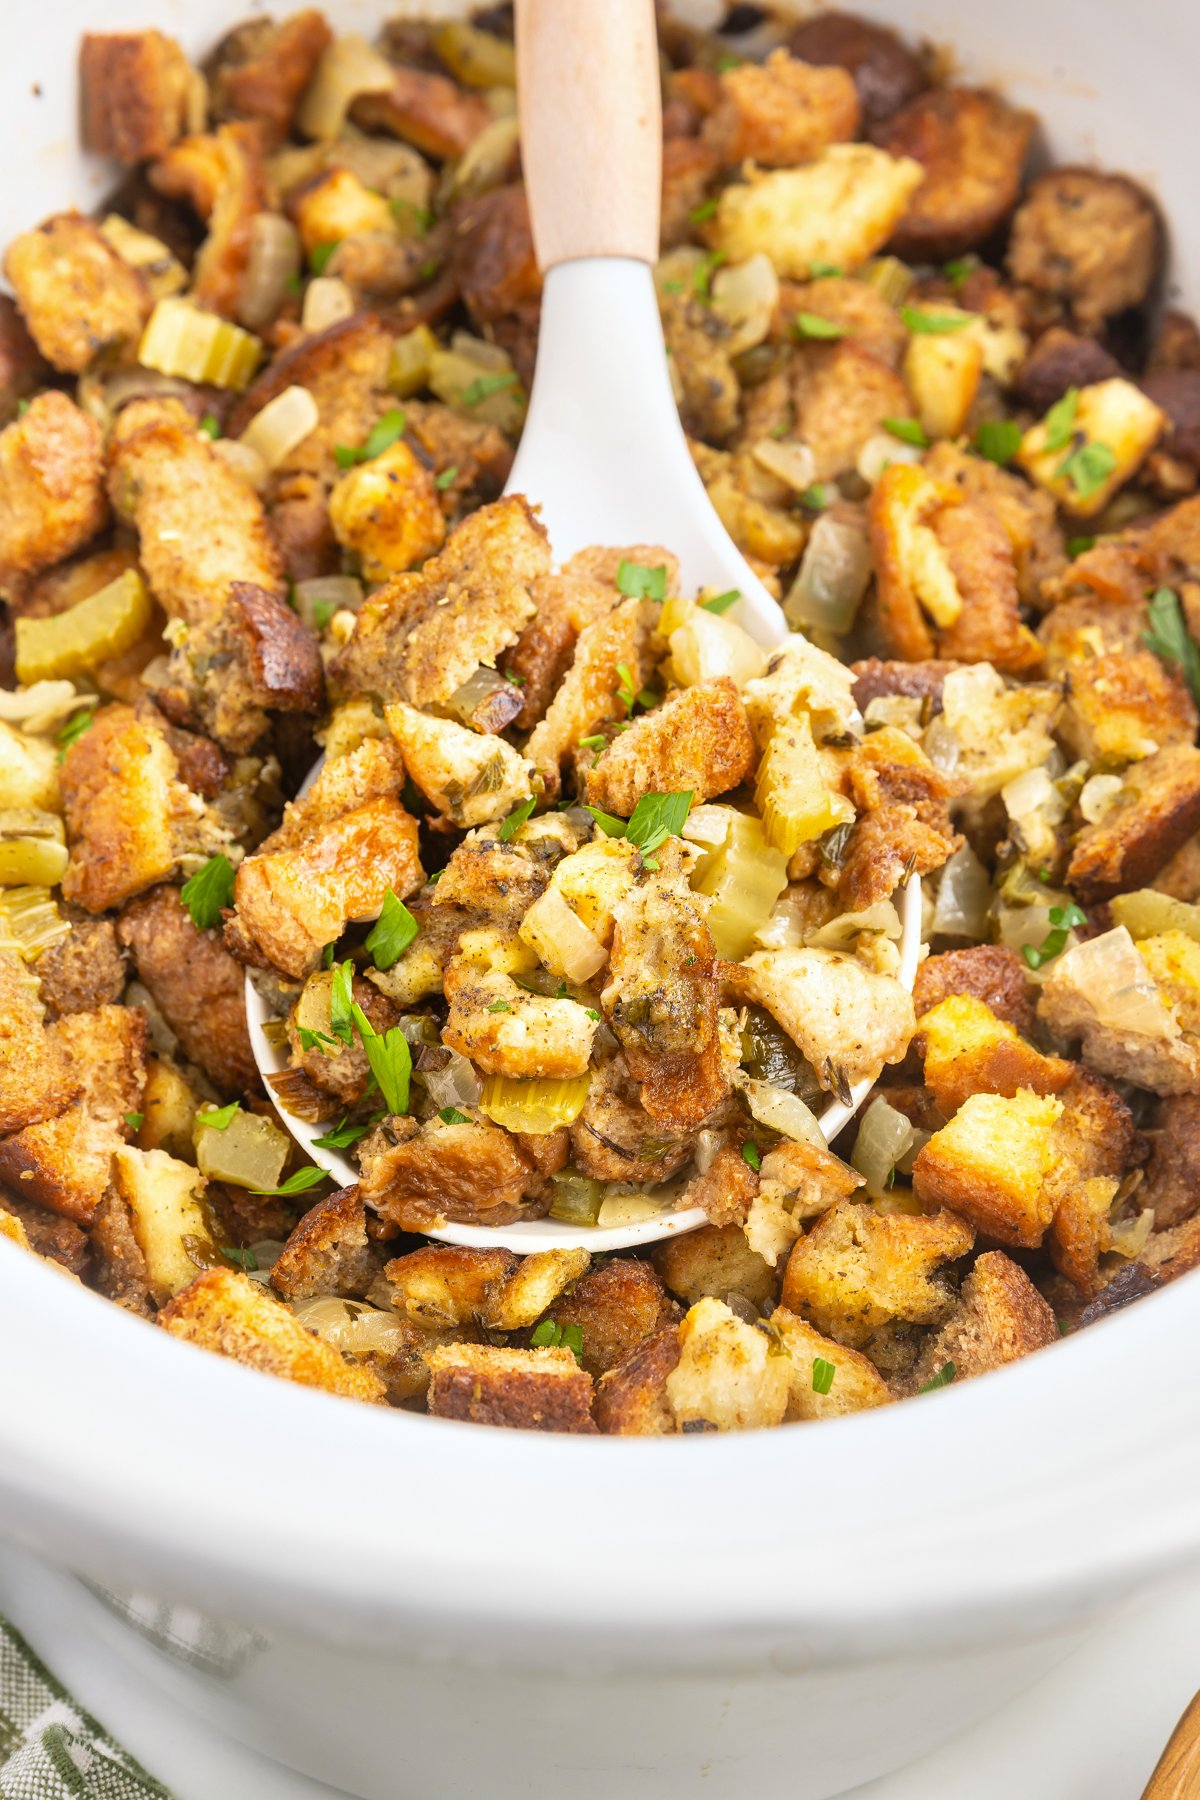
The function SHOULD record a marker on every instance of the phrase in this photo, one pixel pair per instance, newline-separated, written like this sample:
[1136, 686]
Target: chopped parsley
[1060, 421]
[1063, 919]
[750, 1155]
[1170, 638]
[393, 931]
[998, 440]
[654, 819]
[598, 742]
[315, 1040]
[816, 497]
[134, 1121]
[429, 269]
[74, 729]
[218, 1118]
[343, 1135]
[517, 680]
[341, 999]
[499, 1006]
[909, 431]
[450, 1115]
[389, 1059]
[381, 437]
[208, 891]
[960, 270]
[1079, 546]
[510, 827]
[446, 479]
[298, 1183]
[812, 325]
[483, 385]
[818, 270]
[923, 323]
[638, 581]
[625, 691]
[323, 611]
[943, 1378]
[705, 210]
[241, 1259]
[549, 1336]
[721, 603]
[327, 955]
[1088, 468]
[707, 267]
[404, 210]
[209, 426]
[592, 1014]
[319, 256]
[823, 1373]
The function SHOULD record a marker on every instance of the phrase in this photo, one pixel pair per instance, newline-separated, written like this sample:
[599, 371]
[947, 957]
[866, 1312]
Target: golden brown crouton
[999, 1318]
[1122, 707]
[196, 985]
[980, 558]
[968, 1050]
[447, 1284]
[857, 1272]
[220, 174]
[855, 1385]
[261, 69]
[1095, 1144]
[725, 1190]
[842, 1015]
[617, 1308]
[857, 307]
[615, 1139]
[1093, 241]
[991, 1164]
[121, 1273]
[1102, 993]
[715, 1260]
[223, 1310]
[105, 1051]
[631, 1399]
[22, 371]
[82, 970]
[425, 109]
[12, 1229]
[1028, 515]
[841, 395]
[884, 848]
[421, 636]
[990, 972]
[474, 1174]
[588, 696]
[1157, 810]
[134, 89]
[78, 298]
[46, 1234]
[886, 72]
[164, 1201]
[129, 817]
[386, 513]
[532, 1288]
[1171, 1188]
[253, 658]
[730, 1376]
[688, 165]
[972, 147]
[797, 1182]
[169, 1107]
[698, 741]
[1172, 1253]
[328, 1252]
[781, 112]
[526, 1390]
[52, 497]
[840, 208]
[35, 1081]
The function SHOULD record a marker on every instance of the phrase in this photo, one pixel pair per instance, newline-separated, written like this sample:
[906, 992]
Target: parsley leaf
[959, 270]
[705, 270]
[134, 1120]
[446, 479]
[1063, 919]
[1170, 638]
[510, 827]
[241, 1259]
[483, 385]
[625, 691]
[499, 1006]
[909, 431]
[1079, 546]
[1088, 468]
[341, 1000]
[404, 210]
[389, 1057]
[450, 1115]
[823, 1373]
[998, 440]
[638, 581]
[344, 1135]
[816, 497]
[323, 611]
[208, 890]
[551, 1336]
[721, 603]
[314, 1040]
[74, 729]
[655, 818]
[298, 1183]
[1060, 421]
[327, 955]
[381, 437]
[812, 325]
[217, 1118]
[705, 210]
[750, 1155]
[319, 255]
[598, 742]
[934, 324]
[392, 933]
[818, 270]
[943, 1378]
[209, 426]
[609, 824]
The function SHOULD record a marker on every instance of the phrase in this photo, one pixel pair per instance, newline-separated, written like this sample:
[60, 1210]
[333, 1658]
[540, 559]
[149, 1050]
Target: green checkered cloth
[50, 1749]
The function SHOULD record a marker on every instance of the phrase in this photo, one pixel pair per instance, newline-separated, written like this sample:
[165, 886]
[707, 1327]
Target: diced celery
[1147, 913]
[33, 851]
[30, 918]
[536, 1106]
[791, 794]
[411, 361]
[745, 878]
[74, 642]
[181, 340]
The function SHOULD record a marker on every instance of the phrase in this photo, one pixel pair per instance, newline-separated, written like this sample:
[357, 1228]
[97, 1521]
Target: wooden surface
[1177, 1776]
[591, 123]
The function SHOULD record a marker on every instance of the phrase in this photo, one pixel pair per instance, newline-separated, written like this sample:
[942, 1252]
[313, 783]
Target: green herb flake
[389, 1059]
[550, 1336]
[909, 431]
[812, 325]
[959, 271]
[294, 285]
[450, 1115]
[638, 581]
[609, 824]
[429, 269]
[315, 1040]
[815, 498]
[1063, 919]
[218, 1118]
[655, 818]
[327, 955]
[598, 742]
[819, 271]
[241, 1259]
[209, 426]
[483, 385]
[943, 1378]
[823, 1373]
[1060, 421]
[134, 1120]
[706, 210]
[323, 611]
[208, 891]
[510, 827]
[499, 1006]
[319, 257]
[299, 1183]
[1170, 638]
[923, 323]
[721, 603]
[405, 210]
[393, 931]
[343, 1136]
[1088, 468]
[625, 691]
[517, 680]
[592, 1014]
[446, 479]
[750, 1155]
[998, 440]
[705, 270]
[74, 729]
[1079, 546]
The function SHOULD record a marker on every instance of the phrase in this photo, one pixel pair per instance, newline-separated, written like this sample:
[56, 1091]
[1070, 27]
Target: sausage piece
[972, 147]
[1095, 242]
[886, 72]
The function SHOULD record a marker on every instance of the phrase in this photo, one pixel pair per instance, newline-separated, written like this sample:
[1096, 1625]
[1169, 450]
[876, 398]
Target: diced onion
[283, 423]
[411, 361]
[790, 462]
[42, 705]
[33, 849]
[350, 1326]
[1027, 792]
[327, 301]
[779, 1111]
[884, 1137]
[709, 825]
[245, 462]
[457, 1084]
[30, 919]
[488, 161]
[881, 919]
[745, 296]
[1129, 1235]
[536, 1107]
[271, 269]
[486, 700]
[708, 645]
[477, 58]
[250, 1151]
[882, 449]
[1098, 795]
[561, 939]
[744, 879]
[1147, 913]
[1110, 971]
[708, 1145]
[964, 897]
[348, 68]
[833, 576]
[179, 339]
[629, 1206]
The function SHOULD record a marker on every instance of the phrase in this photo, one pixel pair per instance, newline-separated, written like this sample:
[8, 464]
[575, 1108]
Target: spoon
[1177, 1774]
[603, 453]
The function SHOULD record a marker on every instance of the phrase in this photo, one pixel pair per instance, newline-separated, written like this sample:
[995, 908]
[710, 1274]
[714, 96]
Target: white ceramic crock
[408, 1608]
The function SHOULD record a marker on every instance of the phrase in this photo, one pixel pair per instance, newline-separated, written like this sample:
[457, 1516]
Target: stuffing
[22, 370]
[130, 819]
[995, 732]
[857, 1272]
[223, 1310]
[971, 147]
[221, 177]
[386, 513]
[593, 881]
[83, 970]
[1156, 811]
[631, 1399]
[615, 1139]
[328, 1252]
[886, 73]
[781, 112]
[1095, 1145]
[999, 1318]
[688, 164]
[858, 309]
[121, 1269]
[260, 70]
[943, 375]
[1058, 362]
[80, 300]
[1121, 708]
[698, 342]
[968, 1050]
[196, 985]
[1027, 514]
[334, 204]
[135, 92]
[447, 1284]
[589, 695]
[1113, 428]
[991, 1165]
[35, 1080]
[497, 883]
[503, 1027]
[854, 1386]
[730, 1376]
[526, 1390]
[169, 1107]
[52, 498]
[58, 1240]
[847, 1020]
[229, 674]
[1094, 242]
[469, 1173]
[518, 1301]
[839, 209]
[799, 677]
[616, 1307]
[425, 109]
[1171, 1188]
[1102, 993]
[717, 1261]
[164, 1200]
[473, 778]
[991, 973]
[493, 261]
[841, 395]
[724, 1191]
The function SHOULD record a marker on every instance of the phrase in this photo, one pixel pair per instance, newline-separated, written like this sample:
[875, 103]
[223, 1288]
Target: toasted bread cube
[1152, 817]
[52, 497]
[631, 1399]
[588, 696]
[447, 1284]
[968, 1050]
[943, 375]
[715, 1261]
[1113, 414]
[840, 1013]
[106, 1051]
[797, 1182]
[617, 1308]
[169, 1107]
[730, 1376]
[913, 569]
[839, 209]
[1142, 1041]
[328, 1252]
[77, 296]
[525, 1390]
[1173, 959]
[503, 1028]
[387, 513]
[471, 777]
[856, 1384]
[999, 1318]
[165, 1200]
[1124, 706]
[988, 972]
[12, 1229]
[698, 742]
[1095, 1144]
[532, 1289]
[858, 1271]
[35, 1081]
[334, 205]
[134, 93]
[990, 1164]
[223, 1310]
[1172, 1186]
[781, 112]
[196, 985]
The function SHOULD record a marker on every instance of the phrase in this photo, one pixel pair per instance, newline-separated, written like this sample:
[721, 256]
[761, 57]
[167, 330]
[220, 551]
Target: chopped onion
[964, 897]
[30, 920]
[326, 595]
[779, 1111]
[243, 459]
[745, 295]
[708, 645]
[792, 463]
[1129, 1235]
[882, 918]
[41, 706]
[833, 576]
[348, 68]
[708, 825]
[1098, 796]
[488, 161]
[1027, 792]
[272, 266]
[486, 700]
[882, 449]
[884, 1137]
[1110, 971]
[283, 423]
[350, 1325]
[708, 1144]
[561, 939]
[630, 1206]
[386, 167]
[1146, 913]
[327, 301]
[411, 361]
[456, 1084]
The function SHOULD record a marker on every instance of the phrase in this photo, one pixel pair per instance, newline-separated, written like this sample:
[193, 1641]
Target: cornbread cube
[968, 1050]
[223, 1310]
[12, 1229]
[631, 1399]
[730, 1376]
[858, 1271]
[999, 1318]
[387, 513]
[943, 375]
[1124, 706]
[525, 1390]
[335, 204]
[839, 209]
[856, 1386]
[165, 1201]
[990, 1164]
[1112, 413]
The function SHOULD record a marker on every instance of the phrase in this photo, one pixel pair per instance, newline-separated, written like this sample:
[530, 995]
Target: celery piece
[74, 642]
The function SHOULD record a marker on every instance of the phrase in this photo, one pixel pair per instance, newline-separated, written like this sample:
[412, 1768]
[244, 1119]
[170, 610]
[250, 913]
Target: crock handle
[590, 104]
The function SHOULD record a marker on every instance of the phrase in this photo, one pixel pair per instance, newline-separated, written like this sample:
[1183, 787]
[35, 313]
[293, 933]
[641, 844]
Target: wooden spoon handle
[591, 127]
[1177, 1776]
